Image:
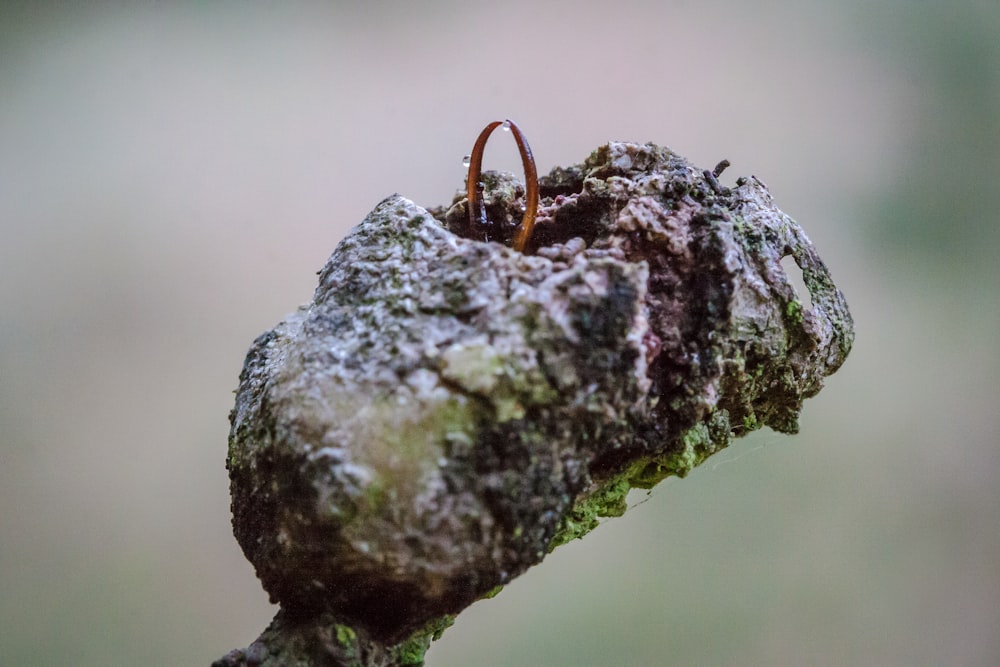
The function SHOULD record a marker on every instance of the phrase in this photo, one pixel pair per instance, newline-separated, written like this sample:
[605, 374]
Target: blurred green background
[172, 176]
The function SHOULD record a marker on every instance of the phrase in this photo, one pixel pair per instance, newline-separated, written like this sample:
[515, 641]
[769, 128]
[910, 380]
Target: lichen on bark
[446, 410]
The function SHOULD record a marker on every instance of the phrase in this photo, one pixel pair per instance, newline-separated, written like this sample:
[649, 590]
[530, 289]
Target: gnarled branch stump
[446, 410]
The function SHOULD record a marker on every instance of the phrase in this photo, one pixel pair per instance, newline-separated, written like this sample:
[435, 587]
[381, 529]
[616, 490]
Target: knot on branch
[448, 410]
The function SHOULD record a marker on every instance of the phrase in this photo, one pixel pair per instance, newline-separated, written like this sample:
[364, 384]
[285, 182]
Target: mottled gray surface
[447, 410]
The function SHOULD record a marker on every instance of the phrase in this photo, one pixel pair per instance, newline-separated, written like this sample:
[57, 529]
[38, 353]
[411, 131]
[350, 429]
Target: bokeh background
[173, 174]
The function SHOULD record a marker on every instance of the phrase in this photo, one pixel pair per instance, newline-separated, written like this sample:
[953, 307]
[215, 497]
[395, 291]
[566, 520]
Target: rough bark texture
[446, 410]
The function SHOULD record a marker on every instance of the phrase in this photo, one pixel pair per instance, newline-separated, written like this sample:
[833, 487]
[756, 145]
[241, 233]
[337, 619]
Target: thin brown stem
[531, 189]
[474, 187]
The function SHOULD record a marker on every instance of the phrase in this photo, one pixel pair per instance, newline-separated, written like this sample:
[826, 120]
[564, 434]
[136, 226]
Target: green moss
[696, 447]
[609, 500]
[793, 311]
[697, 444]
[493, 592]
[345, 635]
[347, 639]
[411, 652]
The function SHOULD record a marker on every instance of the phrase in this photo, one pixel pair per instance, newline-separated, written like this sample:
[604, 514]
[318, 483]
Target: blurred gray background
[172, 176]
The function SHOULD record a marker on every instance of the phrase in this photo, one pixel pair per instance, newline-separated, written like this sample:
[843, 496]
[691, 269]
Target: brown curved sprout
[477, 211]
